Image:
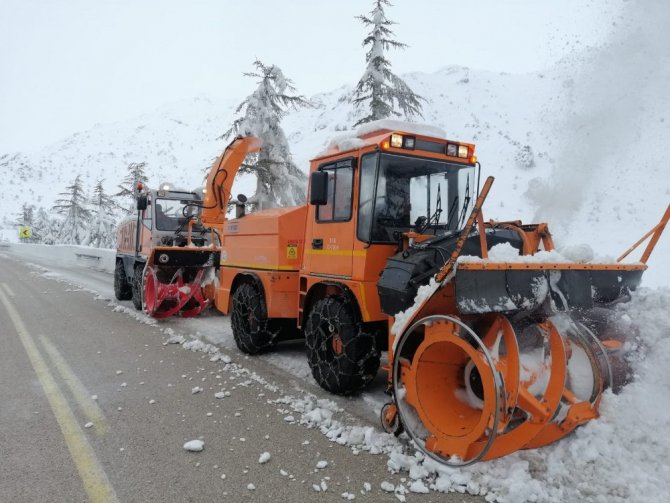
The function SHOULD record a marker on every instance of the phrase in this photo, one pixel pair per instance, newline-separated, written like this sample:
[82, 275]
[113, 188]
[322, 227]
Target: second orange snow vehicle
[485, 357]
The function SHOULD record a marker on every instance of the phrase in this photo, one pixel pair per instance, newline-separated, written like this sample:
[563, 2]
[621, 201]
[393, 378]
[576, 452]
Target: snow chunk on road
[194, 445]
[251, 487]
[419, 487]
[322, 464]
[264, 458]
[196, 390]
[387, 486]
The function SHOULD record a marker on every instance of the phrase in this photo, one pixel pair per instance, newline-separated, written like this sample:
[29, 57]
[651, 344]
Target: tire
[138, 286]
[343, 357]
[252, 330]
[122, 289]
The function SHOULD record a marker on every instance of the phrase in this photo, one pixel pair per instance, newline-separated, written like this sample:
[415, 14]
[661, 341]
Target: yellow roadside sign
[24, 232]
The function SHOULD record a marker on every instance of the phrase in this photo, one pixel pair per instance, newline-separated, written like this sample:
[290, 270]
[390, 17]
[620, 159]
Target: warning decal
[292, 251]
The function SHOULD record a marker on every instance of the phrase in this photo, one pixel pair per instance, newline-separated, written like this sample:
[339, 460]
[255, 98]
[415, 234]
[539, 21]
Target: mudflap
[497, 291]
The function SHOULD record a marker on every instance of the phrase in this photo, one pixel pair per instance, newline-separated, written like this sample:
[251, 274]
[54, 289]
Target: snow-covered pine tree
[72, 205]
[101, 230]
[25, 217]
[45, 228]
[279, 182]
[379, 89]
[127, 188]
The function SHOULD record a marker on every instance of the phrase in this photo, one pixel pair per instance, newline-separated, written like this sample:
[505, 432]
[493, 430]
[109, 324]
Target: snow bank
[404, 126]
[98, 258]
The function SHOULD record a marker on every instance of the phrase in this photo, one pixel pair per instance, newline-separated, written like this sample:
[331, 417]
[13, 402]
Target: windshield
[170, 214]
[426, 195]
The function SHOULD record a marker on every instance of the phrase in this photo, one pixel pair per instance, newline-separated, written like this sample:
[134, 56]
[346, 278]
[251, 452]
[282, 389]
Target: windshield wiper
[434, 219]
[452, 213]
[466, 203]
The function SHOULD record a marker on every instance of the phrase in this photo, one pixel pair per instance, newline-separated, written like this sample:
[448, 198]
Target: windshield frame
[365, 235]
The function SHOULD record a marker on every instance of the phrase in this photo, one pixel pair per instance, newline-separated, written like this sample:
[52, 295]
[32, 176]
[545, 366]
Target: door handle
[317, 244]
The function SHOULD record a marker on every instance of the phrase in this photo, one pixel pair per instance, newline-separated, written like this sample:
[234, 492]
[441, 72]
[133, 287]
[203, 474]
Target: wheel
[138, 287]
[252, 330]
[343, 357]
[122, 289]
[390, 419]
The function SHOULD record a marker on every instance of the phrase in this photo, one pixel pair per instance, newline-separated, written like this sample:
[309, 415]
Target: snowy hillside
[567, 146]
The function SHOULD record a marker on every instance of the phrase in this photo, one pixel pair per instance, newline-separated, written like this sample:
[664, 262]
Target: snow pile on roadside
[619, 458]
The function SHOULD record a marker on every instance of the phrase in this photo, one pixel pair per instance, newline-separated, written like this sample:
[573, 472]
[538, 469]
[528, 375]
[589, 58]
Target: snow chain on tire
[137, 287]
[343, 357]
[122, 289]
[252, 330]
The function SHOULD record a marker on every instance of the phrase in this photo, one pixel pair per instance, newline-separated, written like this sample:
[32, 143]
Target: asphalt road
[68, 359]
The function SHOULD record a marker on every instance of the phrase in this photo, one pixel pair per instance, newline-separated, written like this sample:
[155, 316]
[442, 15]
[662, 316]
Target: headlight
[452, 150]
[463, 151]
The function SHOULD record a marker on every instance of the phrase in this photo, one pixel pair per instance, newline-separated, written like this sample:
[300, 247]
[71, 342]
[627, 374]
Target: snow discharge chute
[500, 356]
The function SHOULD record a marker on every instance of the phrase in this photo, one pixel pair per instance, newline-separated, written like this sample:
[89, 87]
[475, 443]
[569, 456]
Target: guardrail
[85, 256]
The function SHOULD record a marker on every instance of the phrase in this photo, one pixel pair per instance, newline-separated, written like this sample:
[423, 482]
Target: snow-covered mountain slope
[582, 145]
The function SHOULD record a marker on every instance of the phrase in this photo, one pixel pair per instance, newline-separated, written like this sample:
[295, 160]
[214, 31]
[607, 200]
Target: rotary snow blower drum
[179, 281]
[501, 356]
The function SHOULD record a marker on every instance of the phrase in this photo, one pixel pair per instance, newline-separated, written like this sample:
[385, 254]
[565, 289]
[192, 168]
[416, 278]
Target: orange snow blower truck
[485, 356]
[166, 218]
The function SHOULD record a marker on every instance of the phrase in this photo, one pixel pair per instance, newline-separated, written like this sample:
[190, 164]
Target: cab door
[332, 238]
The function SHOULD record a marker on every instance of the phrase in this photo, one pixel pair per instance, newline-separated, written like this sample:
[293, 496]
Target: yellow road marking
[86, 404]
[95, 481]
[9, 290]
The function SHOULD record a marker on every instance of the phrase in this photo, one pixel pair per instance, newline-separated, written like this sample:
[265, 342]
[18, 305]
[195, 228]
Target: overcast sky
[67, 64]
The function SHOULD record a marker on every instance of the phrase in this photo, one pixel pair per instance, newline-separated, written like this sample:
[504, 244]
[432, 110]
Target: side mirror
[318, 188]
[141, 203]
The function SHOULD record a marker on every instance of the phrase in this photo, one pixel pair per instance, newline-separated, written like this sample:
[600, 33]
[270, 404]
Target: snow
[264, 458]
[403, 126]
[194, 445]
[322, 464]
[387, 486]
[505, 252]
